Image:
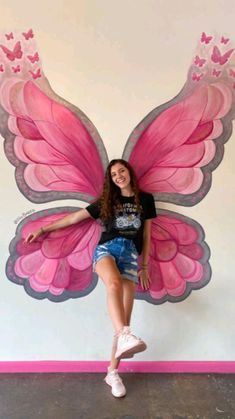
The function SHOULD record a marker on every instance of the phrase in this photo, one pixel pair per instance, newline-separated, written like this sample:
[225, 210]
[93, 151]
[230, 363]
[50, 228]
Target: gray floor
[87, 396]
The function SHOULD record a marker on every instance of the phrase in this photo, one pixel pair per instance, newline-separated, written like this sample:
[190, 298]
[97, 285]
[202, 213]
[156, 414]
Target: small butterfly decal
[197, 76]
[13, 54]
[199, 61]
[9, 36]
[36, 75]
[33, 58]
[205, 39]
[224, 40]
[216, 73]
[28, 35]
[16, 69]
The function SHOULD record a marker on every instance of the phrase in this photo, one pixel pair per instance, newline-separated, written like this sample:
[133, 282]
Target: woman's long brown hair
[111, 194]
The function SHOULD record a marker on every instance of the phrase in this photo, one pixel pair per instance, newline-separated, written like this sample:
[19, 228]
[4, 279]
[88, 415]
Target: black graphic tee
[126, 222]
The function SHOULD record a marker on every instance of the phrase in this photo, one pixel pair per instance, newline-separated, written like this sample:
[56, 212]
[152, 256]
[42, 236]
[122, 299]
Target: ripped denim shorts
[124, 252]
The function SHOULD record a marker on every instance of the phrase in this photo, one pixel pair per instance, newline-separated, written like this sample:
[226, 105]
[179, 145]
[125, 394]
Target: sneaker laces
[124, 331]
[128, 334]
[115, 376]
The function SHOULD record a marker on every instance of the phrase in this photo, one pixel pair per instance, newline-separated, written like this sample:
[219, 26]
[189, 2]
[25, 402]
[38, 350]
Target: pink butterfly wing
[58, 265]
[174, 151]
[225, 57]
[178, 259]
[53, 147]
[180, 143]
[216, 55]
[17, 50]
[58, 154]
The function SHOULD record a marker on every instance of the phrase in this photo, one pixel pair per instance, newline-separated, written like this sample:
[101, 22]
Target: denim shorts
[124, 253]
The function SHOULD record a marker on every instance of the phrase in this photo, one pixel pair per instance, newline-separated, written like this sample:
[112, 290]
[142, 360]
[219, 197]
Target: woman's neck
[127, 192]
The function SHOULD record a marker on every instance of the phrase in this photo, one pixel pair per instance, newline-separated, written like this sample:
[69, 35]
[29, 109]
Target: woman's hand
[33, 236]
[144, 278]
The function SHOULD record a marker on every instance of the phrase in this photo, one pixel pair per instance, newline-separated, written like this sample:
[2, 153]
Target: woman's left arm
[143, 272]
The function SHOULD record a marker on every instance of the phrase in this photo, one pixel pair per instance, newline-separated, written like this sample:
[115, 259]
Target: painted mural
[58, 154]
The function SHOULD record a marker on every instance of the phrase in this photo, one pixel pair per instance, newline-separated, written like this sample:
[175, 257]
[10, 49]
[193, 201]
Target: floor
[87, 396]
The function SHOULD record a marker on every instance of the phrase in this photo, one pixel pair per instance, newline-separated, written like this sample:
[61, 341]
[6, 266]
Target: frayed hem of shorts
[99, 258]
[131, 278]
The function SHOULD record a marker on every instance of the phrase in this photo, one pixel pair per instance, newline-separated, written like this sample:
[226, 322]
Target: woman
[126, 214]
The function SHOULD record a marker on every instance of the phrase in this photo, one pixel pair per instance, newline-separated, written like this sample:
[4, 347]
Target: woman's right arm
[66, 221]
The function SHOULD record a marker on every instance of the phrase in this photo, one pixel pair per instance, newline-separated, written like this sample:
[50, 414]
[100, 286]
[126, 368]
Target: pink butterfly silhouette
[58, 154]
[28, 35]
[217, 57]
[36, 75]
[197, 76]
[205, 39]
[16, 53]
[224, 40]
[1, 68]
[33, 58]
[199, 61]
[16, 69]
[231, 72]
[216, 73]
[9, 36]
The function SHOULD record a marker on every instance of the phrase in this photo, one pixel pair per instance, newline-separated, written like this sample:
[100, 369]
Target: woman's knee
[114, 284]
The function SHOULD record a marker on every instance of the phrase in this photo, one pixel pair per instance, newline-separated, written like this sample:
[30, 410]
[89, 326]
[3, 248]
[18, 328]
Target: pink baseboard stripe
[225, 367]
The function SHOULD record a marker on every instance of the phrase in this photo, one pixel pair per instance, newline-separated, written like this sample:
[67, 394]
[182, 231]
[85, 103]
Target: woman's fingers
[31, 237]
[144, 280]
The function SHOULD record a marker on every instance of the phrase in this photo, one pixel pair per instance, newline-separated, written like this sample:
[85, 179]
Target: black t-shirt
[126, 222]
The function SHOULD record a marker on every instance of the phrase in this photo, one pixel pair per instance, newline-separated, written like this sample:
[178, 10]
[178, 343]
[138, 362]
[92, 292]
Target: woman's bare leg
[107, 270]
[128, 300]
[120, 298]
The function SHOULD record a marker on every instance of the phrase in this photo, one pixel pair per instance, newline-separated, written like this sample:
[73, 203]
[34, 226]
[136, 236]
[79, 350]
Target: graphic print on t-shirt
[127, 218]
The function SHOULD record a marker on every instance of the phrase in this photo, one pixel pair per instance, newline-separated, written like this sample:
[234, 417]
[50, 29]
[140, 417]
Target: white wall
[117, 61]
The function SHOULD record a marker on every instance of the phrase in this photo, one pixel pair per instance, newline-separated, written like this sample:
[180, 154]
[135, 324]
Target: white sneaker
[113, 380]
[128, 344]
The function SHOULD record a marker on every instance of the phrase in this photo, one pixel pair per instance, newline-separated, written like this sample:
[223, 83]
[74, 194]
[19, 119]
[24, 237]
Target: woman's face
[120, 175]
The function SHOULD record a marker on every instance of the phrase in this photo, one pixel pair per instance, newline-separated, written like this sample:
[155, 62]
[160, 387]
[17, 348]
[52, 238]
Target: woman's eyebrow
[119, 170]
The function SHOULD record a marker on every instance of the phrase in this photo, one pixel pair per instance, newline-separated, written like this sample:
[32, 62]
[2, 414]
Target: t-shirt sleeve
[94, 209]
[149, 207]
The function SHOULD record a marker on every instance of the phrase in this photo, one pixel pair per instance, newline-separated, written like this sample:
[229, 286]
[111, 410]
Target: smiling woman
[126, 213]
[120, 176]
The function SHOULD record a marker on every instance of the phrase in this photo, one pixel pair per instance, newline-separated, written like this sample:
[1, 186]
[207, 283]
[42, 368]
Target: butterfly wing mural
[53, 145]
[182, 143]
